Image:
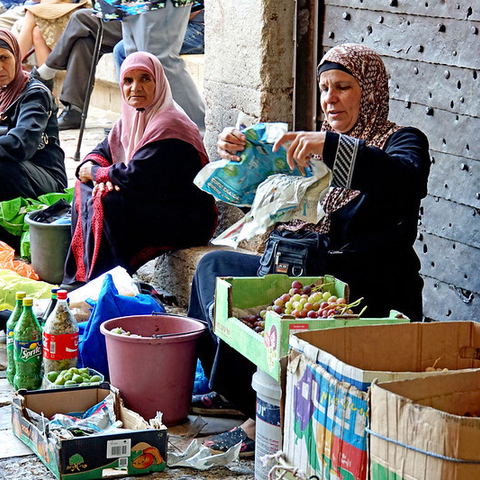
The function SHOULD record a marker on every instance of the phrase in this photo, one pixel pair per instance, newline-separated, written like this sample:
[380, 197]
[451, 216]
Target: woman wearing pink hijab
[135, 197]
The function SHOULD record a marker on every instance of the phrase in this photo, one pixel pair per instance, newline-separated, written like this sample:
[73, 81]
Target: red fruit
[303, 314]
[312, 314]
[278, 309]
[297, 284]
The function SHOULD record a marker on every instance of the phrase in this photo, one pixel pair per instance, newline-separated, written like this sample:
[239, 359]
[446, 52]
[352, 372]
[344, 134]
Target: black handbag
[295, 254]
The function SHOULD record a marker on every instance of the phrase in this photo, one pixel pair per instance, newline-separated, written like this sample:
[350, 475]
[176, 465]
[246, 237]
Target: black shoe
[69, 118]
[48, 83]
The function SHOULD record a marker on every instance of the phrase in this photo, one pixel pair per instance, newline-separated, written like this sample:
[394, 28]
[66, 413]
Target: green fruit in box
[60, 380]
[69, 383]
[52, 376]
[95, 378]
[77, 378]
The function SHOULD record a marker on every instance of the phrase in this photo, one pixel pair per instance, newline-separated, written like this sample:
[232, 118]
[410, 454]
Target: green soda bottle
[11, 322]
[27, 337]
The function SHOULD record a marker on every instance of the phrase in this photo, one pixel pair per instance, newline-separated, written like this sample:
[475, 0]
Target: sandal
[213, 404]
[221, 443]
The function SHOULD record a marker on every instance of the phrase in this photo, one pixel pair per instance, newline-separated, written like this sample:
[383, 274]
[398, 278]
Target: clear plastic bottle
[60, 337]
[11, 322]
[27, 337]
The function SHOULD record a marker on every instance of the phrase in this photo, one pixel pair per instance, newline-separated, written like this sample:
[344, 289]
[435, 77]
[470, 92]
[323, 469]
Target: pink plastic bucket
[154, 374]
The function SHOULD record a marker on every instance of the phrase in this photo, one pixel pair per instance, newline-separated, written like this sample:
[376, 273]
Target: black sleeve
[23, 139]
[400, 169]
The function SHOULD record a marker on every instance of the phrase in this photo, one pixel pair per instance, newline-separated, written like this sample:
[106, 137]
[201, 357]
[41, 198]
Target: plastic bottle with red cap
[60, 337]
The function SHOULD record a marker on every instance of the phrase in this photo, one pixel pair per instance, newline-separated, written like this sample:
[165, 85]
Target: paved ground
[16, 461]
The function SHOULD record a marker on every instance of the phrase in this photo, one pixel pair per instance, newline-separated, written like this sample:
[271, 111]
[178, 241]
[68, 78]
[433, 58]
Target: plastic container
[154, 374]
[268, 428]
[51, 385]
[48, 246]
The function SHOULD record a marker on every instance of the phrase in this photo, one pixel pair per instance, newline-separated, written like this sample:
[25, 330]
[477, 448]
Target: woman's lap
[229, 372]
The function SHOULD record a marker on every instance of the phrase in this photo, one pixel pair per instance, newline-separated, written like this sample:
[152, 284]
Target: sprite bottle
[27, 337]
[11, 322]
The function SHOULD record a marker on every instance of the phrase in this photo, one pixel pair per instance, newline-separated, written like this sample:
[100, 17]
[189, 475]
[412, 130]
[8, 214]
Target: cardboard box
[244, 293]
[89, 457]
[324, 427]
[424, 429]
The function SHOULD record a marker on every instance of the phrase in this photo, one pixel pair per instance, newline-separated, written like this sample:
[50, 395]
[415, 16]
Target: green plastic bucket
[49, 245]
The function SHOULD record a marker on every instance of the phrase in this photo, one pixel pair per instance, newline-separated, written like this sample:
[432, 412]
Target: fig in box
[237, 296]
[427, 428]
[138, 450]
[323, 427]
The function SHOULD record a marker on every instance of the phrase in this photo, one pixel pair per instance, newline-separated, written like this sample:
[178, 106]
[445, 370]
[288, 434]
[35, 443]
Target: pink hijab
[12, 91]
[163, 119]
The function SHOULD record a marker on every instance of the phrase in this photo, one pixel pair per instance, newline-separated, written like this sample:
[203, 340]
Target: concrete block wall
[248, 63]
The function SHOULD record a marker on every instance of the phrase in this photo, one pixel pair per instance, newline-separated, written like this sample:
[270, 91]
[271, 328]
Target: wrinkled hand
[104, 187]
[303, 145]
[85, 172]
[230, 141]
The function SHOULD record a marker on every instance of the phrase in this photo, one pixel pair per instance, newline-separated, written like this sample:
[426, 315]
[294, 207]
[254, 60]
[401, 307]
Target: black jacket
[31, 160]
[372, 236]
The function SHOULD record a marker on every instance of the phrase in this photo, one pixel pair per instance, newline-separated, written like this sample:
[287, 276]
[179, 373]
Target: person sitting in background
[74, 52]
[193, 43]
[135, 197]
[43, 24]
[12, 13]
[380, 173]
[31, 160]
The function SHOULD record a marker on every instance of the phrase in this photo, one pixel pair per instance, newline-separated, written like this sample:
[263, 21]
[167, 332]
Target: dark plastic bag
[110, 304]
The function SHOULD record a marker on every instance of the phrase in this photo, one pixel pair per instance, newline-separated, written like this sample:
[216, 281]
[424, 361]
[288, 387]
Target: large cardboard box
[234, 294]
[140, 450]
[424, 429]
[326, 403]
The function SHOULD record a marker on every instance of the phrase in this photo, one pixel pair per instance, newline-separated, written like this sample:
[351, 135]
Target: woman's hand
[229, 142]
[85, 172]
[104, 187]
[303, 145]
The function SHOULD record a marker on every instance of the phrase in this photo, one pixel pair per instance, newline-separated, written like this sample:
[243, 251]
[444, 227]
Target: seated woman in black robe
[31, 160]
[135, 196]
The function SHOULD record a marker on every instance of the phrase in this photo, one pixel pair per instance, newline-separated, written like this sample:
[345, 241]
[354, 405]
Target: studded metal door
[432, 51]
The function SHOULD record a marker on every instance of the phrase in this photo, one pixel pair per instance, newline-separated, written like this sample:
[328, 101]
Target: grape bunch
[309, 301]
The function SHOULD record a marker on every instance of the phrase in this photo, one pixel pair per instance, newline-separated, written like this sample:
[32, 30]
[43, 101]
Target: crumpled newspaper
[200, 457]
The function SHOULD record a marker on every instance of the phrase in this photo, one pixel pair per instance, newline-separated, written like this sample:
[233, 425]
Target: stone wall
[248, 63]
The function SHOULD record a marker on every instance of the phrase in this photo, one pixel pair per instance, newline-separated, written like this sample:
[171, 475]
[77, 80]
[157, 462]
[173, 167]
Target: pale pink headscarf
[13, 90]
[162, 119]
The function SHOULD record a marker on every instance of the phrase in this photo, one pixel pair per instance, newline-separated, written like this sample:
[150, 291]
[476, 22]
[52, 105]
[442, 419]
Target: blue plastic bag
[110, 304]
